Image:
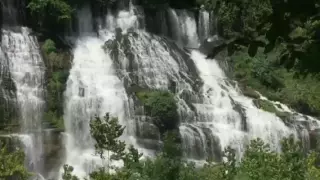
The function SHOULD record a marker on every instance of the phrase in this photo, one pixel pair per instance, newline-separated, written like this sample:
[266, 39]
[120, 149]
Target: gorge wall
[139, 64]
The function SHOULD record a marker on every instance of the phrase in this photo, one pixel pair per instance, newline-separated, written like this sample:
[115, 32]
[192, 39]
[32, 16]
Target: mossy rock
[265, 105]
[285, 116]
[249, 92]
[269, 107]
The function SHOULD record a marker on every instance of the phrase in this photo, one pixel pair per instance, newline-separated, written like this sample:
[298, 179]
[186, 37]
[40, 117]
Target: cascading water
[212, 111]
[93, 89]
[217, 113]
[22, 58]
[183, 28]
[204, 25]
[27, 71]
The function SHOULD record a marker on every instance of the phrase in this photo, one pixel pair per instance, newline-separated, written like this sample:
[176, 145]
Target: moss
[49, 46]
[248, 91]
[54, 120]
[285, 116]
[299, 32]
[58, 64]
[269, 107]
[265, 105]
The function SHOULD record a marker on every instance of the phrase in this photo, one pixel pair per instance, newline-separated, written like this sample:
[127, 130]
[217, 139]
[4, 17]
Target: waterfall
[85, 23]
[220, 117]
[204, 25]
[23, 66]
[27, 71]
[93, 89]
[213, 113]
[184, 28]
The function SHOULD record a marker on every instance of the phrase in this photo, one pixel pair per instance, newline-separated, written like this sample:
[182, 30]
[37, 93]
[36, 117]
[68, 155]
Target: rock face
[12, 12]
[54, 151]
[7, 95]
[314, 139]
[131, 53]
[212, 45]
[147, 62]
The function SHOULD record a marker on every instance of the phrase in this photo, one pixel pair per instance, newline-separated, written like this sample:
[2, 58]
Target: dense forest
[270, 46]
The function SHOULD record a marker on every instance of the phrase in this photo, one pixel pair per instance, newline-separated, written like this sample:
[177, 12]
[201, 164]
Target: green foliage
[58, 72]
[259, 162]
[265, 105]
[313, 172]
[243, 18]
[106, 133]
[49, 46]
[56, 11]
[282, 43]
[264, 74]
[12, 165]
[160, 105]
[67, 173]
[54, 120]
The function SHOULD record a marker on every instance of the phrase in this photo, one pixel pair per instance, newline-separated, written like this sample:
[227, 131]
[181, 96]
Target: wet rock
[213, 146]
[314, 139]
[249, 92]
[118, 33]
[241, 110]
[147, 130]
[109, 44]
[149, 144]
[286, 117]
[212, 45]
[268, 106]
[54, 149]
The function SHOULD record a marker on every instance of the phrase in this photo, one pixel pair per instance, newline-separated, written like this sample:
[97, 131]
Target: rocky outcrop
[8, 115]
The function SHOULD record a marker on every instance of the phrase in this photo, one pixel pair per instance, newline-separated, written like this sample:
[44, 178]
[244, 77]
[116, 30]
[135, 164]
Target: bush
[54, 120]
[49, 46]
[161, 105]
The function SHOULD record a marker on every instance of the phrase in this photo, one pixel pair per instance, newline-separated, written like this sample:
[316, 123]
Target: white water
[224, 122]
[184, 28]
[27, 70]
[204, 25]
[93, 88]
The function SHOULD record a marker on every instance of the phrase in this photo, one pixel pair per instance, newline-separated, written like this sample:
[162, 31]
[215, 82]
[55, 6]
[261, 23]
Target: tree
[106, 132]
[12, 165]
[67, 173]
[50, 14]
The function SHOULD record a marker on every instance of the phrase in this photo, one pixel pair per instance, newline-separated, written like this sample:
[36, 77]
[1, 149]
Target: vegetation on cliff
[274, 48]
[58, 64]
[12, 164]
[161, 105]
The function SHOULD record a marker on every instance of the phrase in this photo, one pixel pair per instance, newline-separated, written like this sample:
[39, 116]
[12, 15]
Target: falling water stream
[213, 113]
[27, 71]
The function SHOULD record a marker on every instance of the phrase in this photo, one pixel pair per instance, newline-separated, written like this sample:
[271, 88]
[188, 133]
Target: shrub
[49, 46]
[160, 105]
